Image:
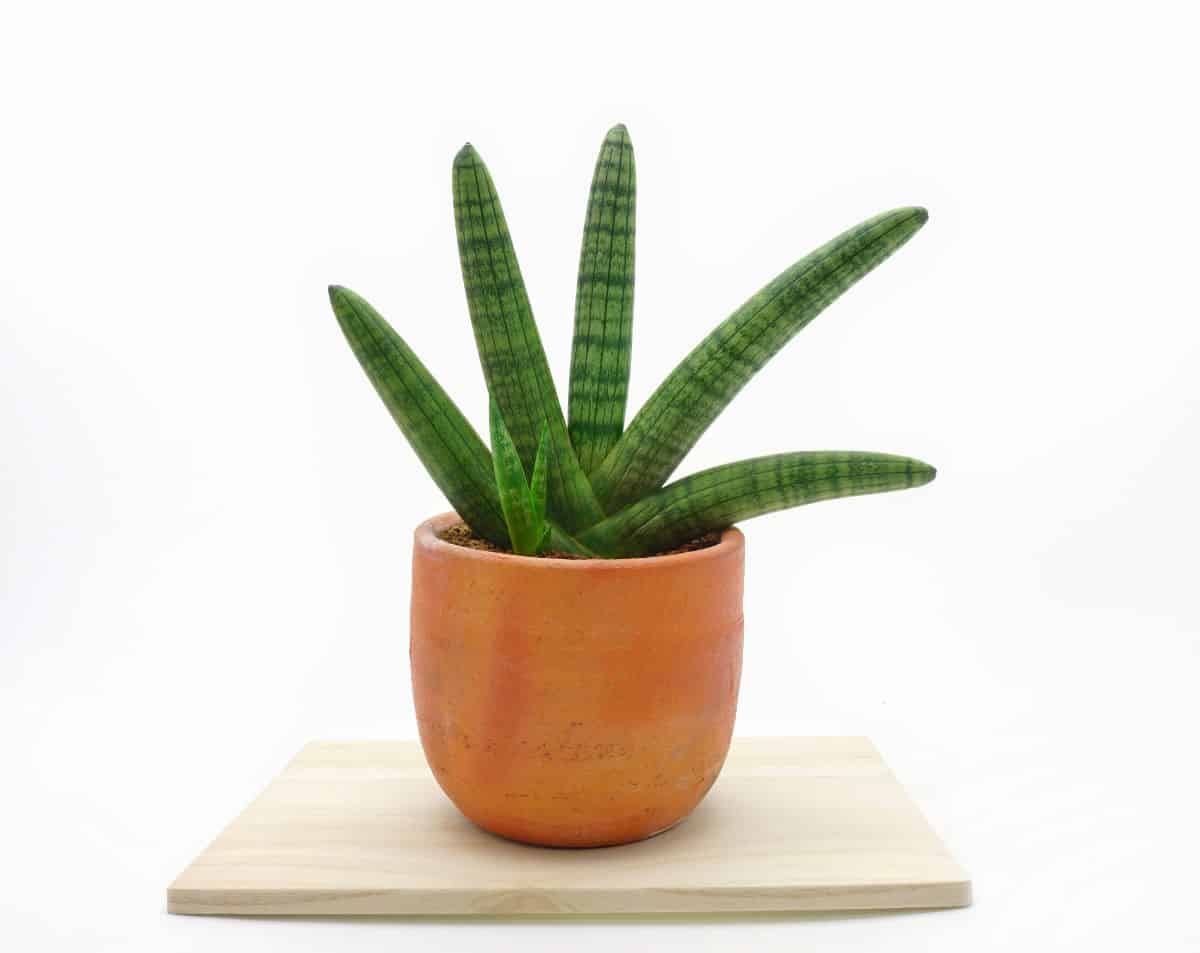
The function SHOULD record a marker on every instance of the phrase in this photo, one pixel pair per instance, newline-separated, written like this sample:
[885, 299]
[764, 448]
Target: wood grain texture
[793, 824]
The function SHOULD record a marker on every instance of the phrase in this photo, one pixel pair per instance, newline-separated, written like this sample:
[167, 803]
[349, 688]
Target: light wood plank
[362, 828]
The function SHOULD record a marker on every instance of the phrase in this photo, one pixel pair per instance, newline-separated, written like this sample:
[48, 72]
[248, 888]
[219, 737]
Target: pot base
[589, 846]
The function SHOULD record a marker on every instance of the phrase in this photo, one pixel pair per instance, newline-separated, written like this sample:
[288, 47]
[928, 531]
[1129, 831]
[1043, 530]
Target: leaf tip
[341, 299]
[466, 157]
[618, 133]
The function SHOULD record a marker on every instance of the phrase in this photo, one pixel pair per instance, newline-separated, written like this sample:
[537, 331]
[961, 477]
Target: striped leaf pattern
[675, 416]
[604, 305]
[537, 480]
[585, 466]
[526, 526]
[559, 540]
[510, 349]
[445, 442]
[717, 498]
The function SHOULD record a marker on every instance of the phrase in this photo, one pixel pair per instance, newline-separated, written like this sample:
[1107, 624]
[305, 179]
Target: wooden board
[362, 828]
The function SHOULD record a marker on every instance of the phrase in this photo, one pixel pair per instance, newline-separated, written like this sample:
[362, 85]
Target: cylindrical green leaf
[442, 437]
[524, 529]
[537, 480]
[675, 416]
[510, 350]
[604, 305]
[717, 498]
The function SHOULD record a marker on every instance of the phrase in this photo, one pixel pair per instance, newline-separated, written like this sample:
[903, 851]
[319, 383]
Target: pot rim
[426, 537]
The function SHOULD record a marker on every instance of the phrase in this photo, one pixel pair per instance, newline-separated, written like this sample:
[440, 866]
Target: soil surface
[460, 535]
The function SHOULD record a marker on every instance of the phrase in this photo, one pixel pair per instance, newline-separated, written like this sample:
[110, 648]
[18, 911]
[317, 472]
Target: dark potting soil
[460, 535]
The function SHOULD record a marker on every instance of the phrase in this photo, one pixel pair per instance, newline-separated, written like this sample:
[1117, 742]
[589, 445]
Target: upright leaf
[717, 498]
[537, 481]
[510, 349]
[441, 436]
[525, 530]
[604, 305]
[675, 416]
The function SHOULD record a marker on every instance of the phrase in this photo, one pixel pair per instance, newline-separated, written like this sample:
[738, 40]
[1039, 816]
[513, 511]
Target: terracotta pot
[575, 703]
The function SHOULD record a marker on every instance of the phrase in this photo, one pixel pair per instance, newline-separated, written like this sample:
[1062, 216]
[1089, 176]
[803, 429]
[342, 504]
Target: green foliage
[713, 499]
[524, 504]
[675, 416]
[604, 305]
[510, 348]
[443, 439]
[596, 489]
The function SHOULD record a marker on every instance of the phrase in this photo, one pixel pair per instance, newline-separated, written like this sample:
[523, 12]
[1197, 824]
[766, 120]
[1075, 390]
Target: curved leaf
[675, 416]
[717, 498]
[446, 443]
[604, 305]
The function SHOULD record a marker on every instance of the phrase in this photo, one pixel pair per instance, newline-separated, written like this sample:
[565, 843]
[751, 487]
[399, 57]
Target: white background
[206, 512]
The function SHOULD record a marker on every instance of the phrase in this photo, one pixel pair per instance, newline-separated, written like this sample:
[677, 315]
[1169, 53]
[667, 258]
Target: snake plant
[583, 482]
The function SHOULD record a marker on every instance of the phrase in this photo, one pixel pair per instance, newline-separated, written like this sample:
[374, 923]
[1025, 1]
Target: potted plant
[576, 623]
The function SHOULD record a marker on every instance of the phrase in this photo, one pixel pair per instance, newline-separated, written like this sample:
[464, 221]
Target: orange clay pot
[575, 703]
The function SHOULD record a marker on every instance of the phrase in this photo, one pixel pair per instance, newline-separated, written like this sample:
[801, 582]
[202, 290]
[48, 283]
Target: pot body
[575, 703]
